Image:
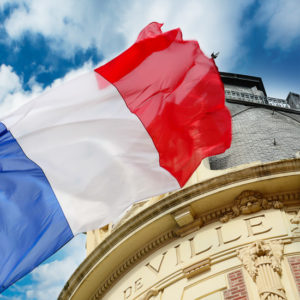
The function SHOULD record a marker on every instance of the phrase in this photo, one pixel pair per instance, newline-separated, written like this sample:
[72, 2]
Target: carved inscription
[193, 251]
[156, 269]
[221, 239]
[198, 245]
[130, 290]
[178, 255]
[255, 225]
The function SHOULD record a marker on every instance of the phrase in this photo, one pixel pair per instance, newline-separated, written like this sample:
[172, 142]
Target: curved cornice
[156, 221]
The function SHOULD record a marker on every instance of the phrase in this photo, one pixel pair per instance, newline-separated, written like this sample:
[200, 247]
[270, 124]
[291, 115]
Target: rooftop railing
[249, 98]
[235, 95]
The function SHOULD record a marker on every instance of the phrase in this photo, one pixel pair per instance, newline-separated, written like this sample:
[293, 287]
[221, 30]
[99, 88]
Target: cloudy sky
[45, 42]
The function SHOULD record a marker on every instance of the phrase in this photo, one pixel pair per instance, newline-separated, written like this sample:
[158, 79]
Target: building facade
[233, 232]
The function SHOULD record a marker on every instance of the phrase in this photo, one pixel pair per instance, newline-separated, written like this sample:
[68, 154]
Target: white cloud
[216, 25]
[282, 20]
[112, 24]
[12, 95]
[3, 3]
[12, 101]
[49, 279]
[88, 66]
[67, 27]
[9, 81]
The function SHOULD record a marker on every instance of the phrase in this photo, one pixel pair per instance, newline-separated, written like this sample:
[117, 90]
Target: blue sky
[43, 43]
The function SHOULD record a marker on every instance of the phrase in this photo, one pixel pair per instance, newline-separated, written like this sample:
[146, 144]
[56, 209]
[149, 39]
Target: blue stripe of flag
[32, 224]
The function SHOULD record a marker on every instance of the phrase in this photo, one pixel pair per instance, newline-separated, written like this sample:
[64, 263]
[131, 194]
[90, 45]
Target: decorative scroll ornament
[262, 260]
[249, 202]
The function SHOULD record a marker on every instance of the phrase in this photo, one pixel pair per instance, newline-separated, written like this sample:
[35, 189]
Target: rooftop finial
[214, 55]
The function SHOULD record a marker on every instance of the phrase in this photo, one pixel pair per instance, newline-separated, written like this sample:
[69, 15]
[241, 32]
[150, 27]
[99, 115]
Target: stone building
[233, 232]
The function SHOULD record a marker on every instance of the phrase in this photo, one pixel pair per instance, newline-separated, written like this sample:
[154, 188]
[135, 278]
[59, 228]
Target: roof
[259, 134]
[243, 80]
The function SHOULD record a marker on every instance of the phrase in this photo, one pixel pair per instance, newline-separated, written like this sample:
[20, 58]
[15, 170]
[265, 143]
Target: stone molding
[249, 202]
[234, 179]
[130, 262]
[197, 268]
[176, 198]
[270, 201]
[150, 294]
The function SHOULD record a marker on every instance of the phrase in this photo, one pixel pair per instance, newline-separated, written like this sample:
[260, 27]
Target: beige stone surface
[216, 241]
[186, 244]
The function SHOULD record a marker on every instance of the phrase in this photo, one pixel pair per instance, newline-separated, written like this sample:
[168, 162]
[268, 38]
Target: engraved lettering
[220, 237]
[127, 292]
[178, 255]
[138, 284]
[154, 269]
[193, 251]
[259, 222]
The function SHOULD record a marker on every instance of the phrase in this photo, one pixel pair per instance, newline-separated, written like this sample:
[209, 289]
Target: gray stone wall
[254, 132]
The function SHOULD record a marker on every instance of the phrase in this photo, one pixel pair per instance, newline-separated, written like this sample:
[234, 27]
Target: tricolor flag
[76, 157]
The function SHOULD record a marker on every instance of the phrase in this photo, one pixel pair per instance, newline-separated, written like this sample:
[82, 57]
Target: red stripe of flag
[178, 95]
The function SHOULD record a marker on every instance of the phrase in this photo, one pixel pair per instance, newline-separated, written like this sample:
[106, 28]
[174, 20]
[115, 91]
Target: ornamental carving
[262, 260]
[249, 202]
[296, 219]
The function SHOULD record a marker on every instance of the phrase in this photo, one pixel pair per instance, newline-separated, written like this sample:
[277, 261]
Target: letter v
[154, 269]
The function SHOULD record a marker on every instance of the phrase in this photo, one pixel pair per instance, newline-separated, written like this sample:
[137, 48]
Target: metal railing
[248, 97]
[278, 102]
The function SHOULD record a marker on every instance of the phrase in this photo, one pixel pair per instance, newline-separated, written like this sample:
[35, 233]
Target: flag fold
[76, 157]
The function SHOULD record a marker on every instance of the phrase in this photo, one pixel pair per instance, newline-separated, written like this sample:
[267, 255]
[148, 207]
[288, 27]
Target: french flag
[75, 158]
